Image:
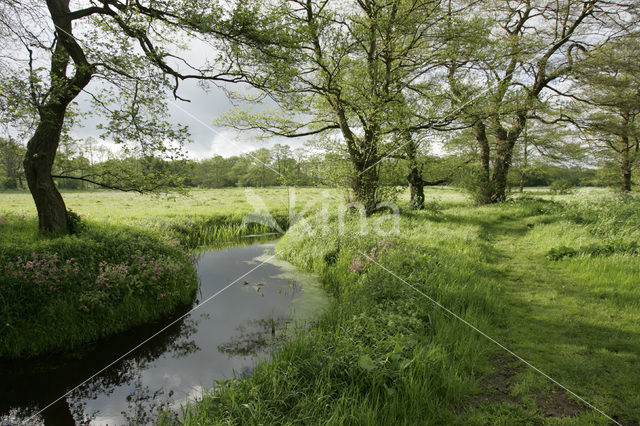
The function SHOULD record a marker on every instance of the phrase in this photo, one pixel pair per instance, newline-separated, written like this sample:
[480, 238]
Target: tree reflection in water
[36, 383]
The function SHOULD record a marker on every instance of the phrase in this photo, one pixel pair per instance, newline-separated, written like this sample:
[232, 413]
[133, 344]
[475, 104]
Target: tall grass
[385, 354]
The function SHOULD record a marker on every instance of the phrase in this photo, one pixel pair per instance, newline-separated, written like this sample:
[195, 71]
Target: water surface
[221, 339]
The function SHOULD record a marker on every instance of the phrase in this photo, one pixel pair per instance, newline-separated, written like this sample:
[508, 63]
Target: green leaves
[366, 363]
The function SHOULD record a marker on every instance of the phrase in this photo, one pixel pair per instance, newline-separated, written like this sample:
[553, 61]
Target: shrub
[595, 250]
[561, 187]
[74, 222]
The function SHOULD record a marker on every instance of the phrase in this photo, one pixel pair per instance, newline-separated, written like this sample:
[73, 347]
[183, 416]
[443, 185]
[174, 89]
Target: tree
[11, 155]
[125, 48]
[530, 44]
[608, 86]
[338, 68]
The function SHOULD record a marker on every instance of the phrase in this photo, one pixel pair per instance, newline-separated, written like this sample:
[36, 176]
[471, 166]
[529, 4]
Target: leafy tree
[540, 142]
[338, 67]
[55, 49]
[499, 80]
[11, 154]
[215, 172]
[608, 84]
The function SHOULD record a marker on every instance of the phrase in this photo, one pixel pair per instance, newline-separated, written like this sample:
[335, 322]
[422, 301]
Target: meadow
[553, 278]
[386, 353]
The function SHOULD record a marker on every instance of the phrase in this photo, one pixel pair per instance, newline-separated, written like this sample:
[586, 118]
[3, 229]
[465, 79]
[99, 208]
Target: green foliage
[560, 253]
[58, 293]
[608, 82]
[74, 222]
[609, 216]
[561, 187]
[383, 352]
[594, 250]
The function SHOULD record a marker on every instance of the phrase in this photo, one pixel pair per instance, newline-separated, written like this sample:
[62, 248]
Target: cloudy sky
[199, 114]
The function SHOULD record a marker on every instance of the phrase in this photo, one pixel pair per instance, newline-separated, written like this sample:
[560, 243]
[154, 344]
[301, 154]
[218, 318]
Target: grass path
[568, 319]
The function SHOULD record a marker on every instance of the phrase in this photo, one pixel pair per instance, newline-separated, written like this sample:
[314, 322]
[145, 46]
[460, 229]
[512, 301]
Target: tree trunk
[500, 172]
[505, 141]
[414, 178]
[366, 179]
[625, 167]
[416, 188]
[38, 162]
[485, 187]
[43, 145]
[365, 186]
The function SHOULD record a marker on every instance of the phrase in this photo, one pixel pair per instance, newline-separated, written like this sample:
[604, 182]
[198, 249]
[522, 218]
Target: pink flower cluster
[152, 268]
[43, 269]
[141, 275]
[111, 275]
[163, 295]
[358, 263]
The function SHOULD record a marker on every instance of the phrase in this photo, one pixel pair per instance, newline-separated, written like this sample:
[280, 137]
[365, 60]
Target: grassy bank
[58, 293]
[128, 265]
[385, 354]
[199, 218]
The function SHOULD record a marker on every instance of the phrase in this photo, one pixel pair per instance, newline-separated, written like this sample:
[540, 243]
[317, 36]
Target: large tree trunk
[364, 157]
[365, 186]
[416, 188]
[505, 142]
[43, 145]
[501, 166]
[38, 162]
[485, 186]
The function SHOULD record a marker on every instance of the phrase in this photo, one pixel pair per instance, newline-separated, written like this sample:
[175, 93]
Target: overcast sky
[204, 107]
[199, 114]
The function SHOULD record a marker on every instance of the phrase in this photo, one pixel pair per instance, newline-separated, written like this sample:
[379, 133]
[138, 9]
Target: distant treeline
[281, 165]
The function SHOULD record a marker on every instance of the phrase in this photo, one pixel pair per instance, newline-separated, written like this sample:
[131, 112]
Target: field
[114, 206]
[553, 278]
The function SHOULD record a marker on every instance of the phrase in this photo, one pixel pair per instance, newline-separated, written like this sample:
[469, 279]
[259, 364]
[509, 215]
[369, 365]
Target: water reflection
[224, 337]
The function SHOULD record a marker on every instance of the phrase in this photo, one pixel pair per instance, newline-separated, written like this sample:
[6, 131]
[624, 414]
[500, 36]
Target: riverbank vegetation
[385, 351]
[58, 293]
[381, 96]
[125, 266]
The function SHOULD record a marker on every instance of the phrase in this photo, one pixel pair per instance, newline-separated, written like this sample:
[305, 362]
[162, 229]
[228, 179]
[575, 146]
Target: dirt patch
[498, 384]
[557, 404]
[498, 387]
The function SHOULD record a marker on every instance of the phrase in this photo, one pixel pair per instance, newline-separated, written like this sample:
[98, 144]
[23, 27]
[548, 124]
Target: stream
[222, 339]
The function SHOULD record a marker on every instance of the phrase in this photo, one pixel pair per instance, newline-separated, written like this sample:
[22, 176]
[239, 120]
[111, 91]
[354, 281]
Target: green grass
[64, 305]
[384, 354]
[202, 217]
[57, 293]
